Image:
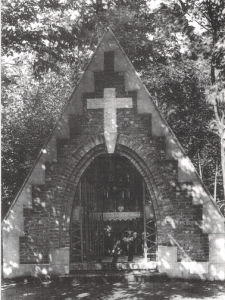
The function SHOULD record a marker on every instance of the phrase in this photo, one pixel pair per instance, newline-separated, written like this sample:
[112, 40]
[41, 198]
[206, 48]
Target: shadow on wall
[58, 259]
[15, 226]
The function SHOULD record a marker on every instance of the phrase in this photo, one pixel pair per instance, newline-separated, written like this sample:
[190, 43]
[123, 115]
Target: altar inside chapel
[110, 214]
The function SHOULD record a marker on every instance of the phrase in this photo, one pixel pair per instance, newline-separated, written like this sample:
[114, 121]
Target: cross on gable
[109, 95]
[110, 104]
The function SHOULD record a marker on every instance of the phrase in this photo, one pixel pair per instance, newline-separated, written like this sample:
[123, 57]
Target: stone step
[113, 276]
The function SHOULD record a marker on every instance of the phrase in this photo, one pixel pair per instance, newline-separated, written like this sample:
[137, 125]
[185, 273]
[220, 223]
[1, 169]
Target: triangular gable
[111, 110]
[145, 105]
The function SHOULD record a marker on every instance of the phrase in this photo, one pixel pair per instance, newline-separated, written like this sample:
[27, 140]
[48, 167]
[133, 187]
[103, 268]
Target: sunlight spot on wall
[37, 200]
[219, 246]
[165, 263]
[7, 269]
[221, 275]
[187, 187]
[13, 264]
[186, 165]
[169, 220]
[177, 244]
[198, 192]
[198, 267]
[7, 226]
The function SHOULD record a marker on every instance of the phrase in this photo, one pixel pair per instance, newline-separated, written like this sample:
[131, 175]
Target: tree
[30, 109]
[209, 14]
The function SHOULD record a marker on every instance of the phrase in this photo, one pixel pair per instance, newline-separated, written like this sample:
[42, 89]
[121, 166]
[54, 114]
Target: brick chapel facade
[113, 167]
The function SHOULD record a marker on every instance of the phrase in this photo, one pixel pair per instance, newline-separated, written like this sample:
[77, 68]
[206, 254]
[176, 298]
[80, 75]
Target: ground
[156, 289]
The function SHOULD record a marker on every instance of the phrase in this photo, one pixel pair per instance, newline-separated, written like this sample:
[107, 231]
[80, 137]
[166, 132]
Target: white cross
[110, 104]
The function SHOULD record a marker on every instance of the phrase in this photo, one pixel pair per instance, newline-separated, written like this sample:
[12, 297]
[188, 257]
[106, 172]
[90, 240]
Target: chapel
[112, 188]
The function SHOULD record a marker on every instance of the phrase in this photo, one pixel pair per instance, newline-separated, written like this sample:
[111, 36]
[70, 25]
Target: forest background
[176, 46]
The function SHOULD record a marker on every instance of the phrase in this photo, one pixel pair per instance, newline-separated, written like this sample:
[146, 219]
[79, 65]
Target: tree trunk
[223, 159]
[220, 121]
[215, 182]
[199, 165]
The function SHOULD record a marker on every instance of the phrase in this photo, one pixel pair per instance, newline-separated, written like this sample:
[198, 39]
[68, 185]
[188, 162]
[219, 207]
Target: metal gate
[87, 242]
[150, 234]
[87, 231]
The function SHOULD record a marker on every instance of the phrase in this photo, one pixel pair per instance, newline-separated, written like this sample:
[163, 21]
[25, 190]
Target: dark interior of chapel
[111, 201]
[119, 181]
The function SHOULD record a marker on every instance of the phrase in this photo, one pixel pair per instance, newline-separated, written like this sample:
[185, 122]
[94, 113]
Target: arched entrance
[112, 215]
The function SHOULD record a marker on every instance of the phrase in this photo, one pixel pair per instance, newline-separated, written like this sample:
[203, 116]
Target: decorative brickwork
[48, 223]
[34, 246]
[112, 84]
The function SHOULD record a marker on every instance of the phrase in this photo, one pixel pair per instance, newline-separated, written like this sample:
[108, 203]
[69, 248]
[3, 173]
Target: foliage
[209, 14]
[30, 108]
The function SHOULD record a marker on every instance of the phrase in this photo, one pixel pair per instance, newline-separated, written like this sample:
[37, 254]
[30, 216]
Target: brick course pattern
[178, 221]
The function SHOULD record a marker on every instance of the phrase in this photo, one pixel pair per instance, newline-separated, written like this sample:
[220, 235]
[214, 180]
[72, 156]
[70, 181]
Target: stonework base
[167, 263]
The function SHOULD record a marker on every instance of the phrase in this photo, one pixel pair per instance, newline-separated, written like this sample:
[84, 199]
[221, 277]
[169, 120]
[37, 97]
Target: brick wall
[178, 220]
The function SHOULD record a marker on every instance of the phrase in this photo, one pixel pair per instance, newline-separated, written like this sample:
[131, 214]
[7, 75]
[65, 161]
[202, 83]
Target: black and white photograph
[113, 149]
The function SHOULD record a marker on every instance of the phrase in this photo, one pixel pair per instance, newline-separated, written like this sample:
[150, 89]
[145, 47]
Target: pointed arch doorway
[112, 216]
